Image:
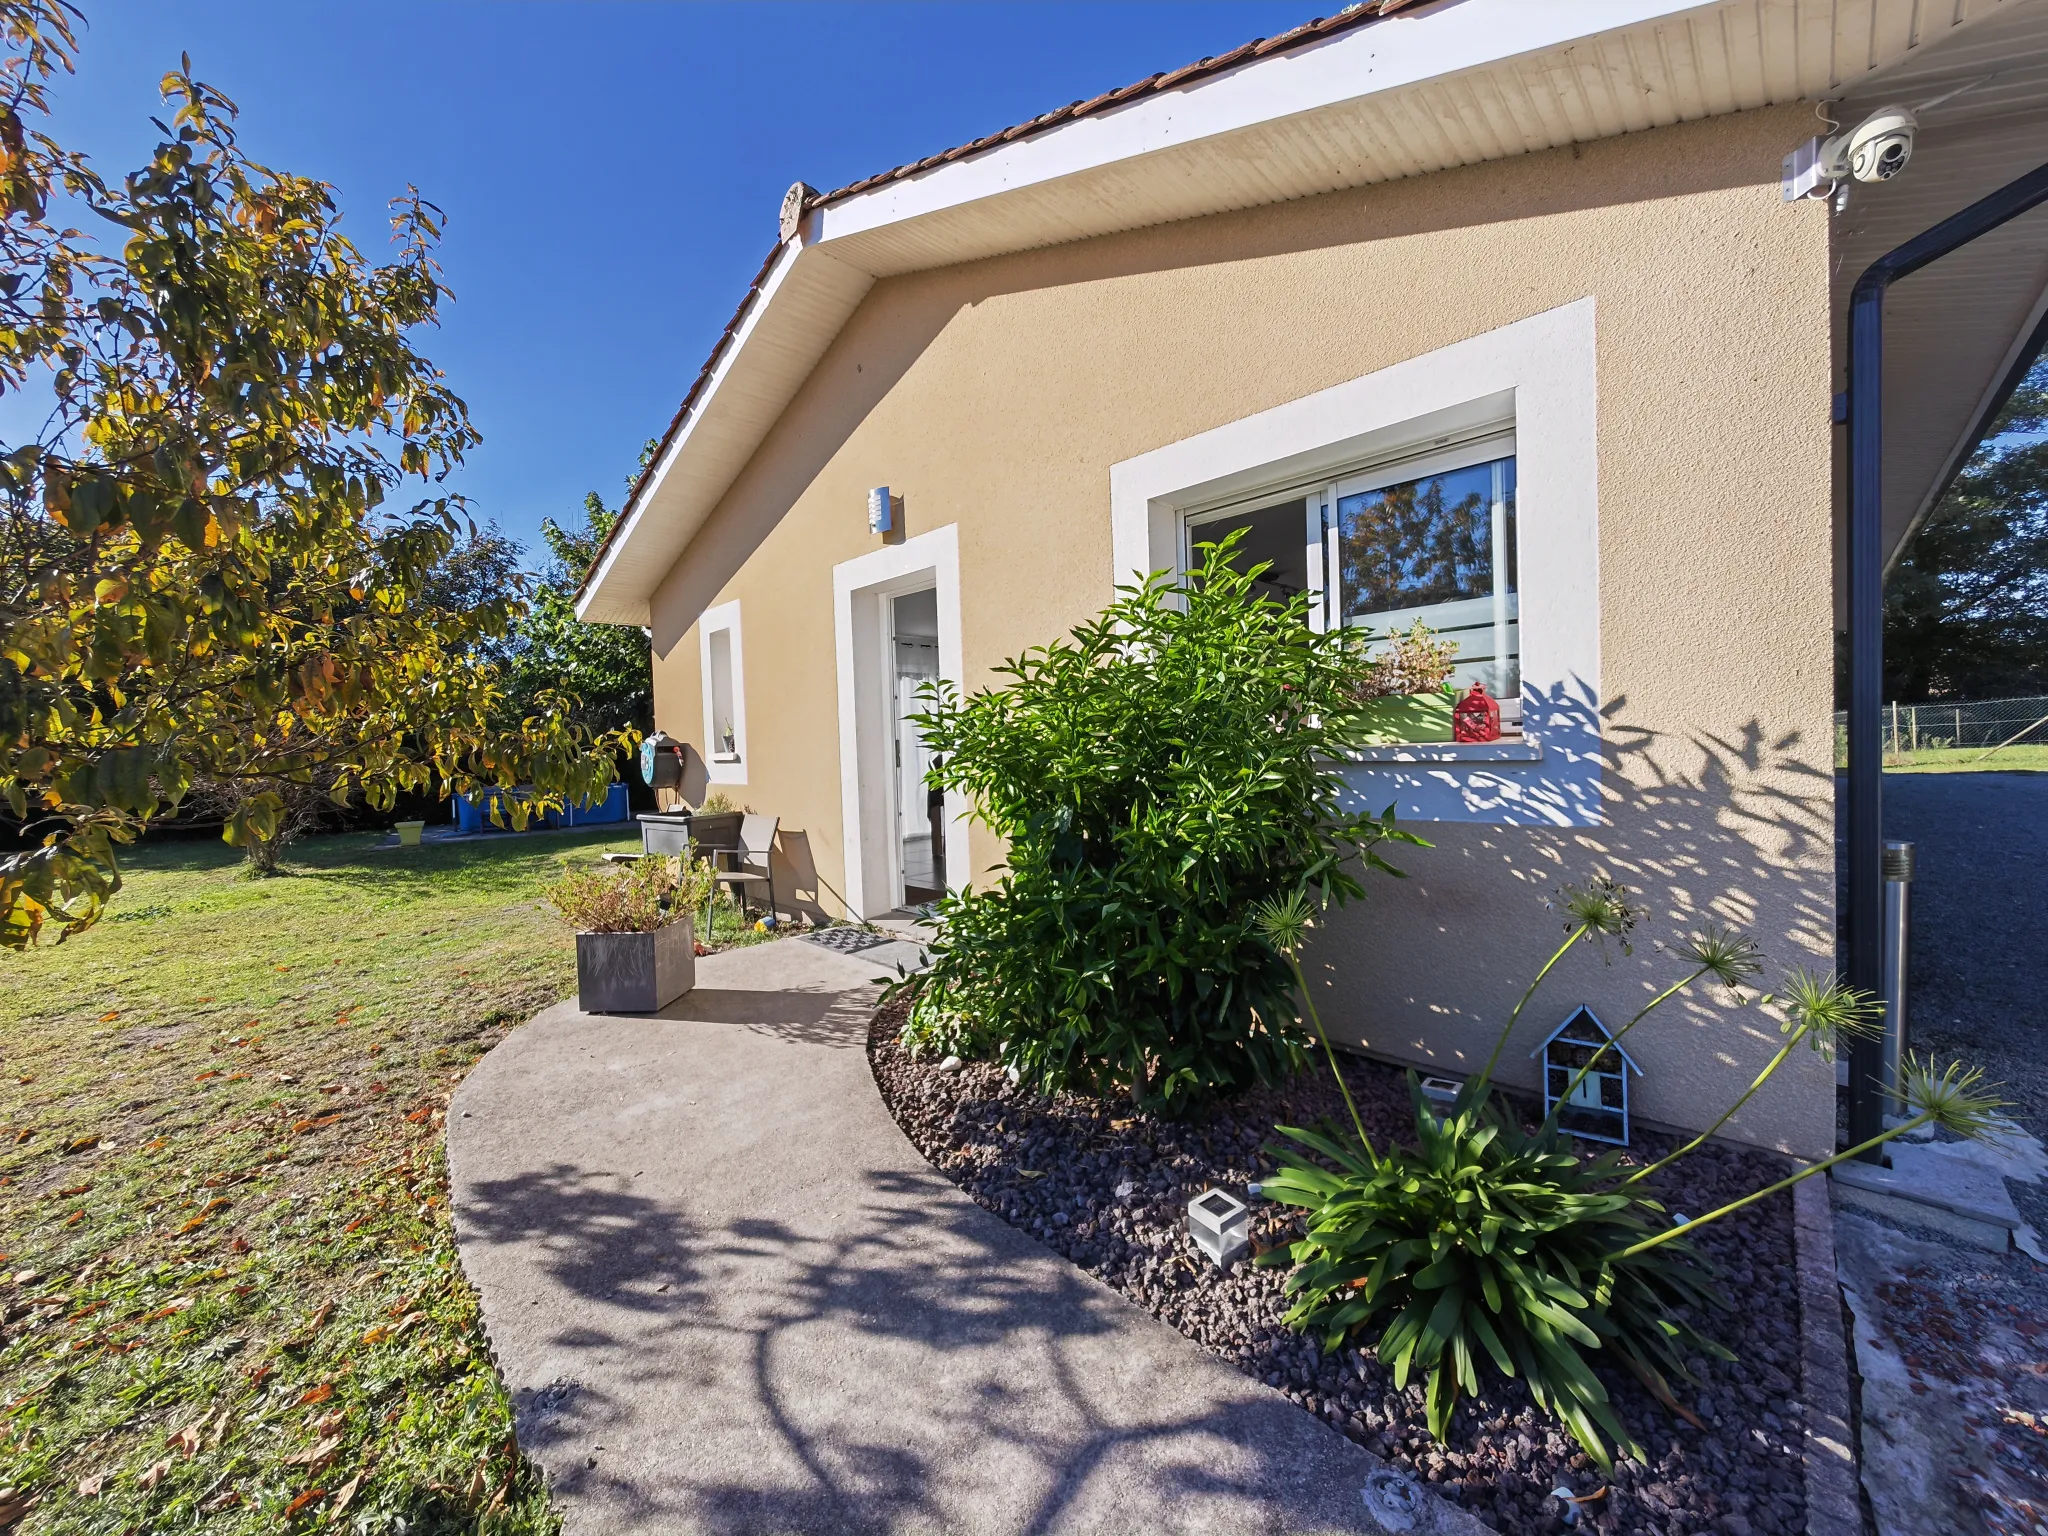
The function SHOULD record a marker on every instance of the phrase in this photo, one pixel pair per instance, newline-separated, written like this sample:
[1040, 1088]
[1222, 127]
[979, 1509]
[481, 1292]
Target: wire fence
[1986, 730]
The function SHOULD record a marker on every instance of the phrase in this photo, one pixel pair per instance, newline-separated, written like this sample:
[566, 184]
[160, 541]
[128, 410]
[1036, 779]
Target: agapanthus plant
[1493, 1245]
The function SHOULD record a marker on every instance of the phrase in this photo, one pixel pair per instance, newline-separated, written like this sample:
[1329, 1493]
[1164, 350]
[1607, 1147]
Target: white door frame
[861, 588]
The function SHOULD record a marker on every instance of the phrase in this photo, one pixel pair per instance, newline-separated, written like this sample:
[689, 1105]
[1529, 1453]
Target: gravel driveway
[1980, 923]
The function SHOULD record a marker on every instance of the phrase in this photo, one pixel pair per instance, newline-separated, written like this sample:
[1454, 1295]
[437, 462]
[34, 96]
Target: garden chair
[749, 864]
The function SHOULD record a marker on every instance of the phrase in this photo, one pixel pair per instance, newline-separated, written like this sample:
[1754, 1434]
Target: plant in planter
[1404, 692]
[1154, 776]
[635, 945]
[1493, 1245]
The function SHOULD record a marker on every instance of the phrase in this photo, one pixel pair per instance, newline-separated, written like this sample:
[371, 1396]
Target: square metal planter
[635, 972]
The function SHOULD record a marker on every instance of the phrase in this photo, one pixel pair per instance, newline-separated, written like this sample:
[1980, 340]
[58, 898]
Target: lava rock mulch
[1108, 1188]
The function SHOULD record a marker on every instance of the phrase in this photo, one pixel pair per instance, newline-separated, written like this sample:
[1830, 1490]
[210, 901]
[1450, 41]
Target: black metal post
[1864, 812]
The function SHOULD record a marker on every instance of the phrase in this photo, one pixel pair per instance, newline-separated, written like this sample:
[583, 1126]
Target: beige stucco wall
[996, 396]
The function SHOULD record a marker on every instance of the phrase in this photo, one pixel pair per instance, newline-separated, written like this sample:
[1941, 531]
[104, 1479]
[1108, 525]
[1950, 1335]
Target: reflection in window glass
[1439, 550]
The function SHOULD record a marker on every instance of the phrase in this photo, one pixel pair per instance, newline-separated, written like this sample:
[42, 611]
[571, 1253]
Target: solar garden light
[1220, 1224]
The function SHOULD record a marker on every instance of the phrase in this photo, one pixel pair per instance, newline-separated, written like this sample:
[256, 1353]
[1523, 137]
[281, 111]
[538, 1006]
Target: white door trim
[860, 621]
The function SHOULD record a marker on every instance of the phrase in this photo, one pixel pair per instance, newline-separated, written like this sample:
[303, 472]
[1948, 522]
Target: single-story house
[1565, 270]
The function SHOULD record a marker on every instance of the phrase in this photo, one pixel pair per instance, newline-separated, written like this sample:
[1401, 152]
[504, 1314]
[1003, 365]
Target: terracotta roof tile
[1259, 47]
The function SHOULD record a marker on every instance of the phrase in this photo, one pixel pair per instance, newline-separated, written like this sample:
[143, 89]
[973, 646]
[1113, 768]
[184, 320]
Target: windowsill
[1508, 749]
[725, 757]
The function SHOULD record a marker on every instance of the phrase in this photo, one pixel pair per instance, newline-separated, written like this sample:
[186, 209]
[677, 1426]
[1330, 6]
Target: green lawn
[2019, 759]
[227, 1278]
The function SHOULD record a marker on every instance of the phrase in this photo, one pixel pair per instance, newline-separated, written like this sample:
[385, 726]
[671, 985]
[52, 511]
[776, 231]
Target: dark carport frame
[1864, 810]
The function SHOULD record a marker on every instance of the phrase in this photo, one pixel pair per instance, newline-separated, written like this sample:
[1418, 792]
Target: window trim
[1542, 370]
[724, 767]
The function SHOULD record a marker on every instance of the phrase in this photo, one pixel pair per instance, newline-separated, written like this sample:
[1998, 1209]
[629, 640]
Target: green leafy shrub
[1492, 1245]
[636, 897]
[1156, 776]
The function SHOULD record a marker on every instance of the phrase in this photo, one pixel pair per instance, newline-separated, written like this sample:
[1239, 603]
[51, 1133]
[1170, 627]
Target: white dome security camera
[1876, 149]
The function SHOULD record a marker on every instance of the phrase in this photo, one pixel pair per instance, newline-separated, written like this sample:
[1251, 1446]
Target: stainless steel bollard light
[1898, 880]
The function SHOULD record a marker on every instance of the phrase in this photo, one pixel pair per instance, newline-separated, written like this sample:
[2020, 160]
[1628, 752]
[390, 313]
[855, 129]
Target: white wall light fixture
[879, 509]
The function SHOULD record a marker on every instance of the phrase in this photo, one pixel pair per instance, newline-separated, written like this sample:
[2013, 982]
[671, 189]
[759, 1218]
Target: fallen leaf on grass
[187, 1439]
[329, 1422]
[302, 1127]
[346, 1492]
[238, 1245]
[156, 1474]
[74, 1190]
[110, 1015]
[318, 1394]
[313, 1326]
[316, 1455]
[82, 1144]
[13, 1505]
[169, 1308]
[376, 1335]
[291, 1510]
[74, 1218]
[89, 1487]
[282, 967]
[420, 1114]
[202, 1077]
[24, 1079]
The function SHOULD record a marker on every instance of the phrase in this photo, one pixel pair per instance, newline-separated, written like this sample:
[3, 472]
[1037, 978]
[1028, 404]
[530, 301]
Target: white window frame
[1320, 531]
[1541, 374]
[724, 767]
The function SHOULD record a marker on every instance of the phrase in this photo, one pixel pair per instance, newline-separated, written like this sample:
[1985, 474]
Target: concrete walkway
[730, 1297]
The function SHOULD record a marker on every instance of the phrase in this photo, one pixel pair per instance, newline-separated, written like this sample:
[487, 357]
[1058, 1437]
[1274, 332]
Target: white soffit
[1951, 329]
[1452, 83]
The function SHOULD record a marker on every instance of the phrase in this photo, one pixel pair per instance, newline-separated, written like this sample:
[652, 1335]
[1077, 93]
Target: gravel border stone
[1107, 1188]
[1833, 1501]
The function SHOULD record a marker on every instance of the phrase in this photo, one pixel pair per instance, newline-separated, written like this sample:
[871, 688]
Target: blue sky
[611, 171]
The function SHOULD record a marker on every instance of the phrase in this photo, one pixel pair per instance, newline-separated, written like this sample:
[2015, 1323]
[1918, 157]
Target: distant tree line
[1966, 610]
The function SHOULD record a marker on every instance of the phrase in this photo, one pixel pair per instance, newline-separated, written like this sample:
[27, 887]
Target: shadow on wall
[799, 887]
[1702, 829]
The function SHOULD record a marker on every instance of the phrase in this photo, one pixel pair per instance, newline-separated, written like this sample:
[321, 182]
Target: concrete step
[1946, 1187]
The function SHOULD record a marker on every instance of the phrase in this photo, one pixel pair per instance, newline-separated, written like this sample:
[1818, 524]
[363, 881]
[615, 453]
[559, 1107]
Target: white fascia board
[601, 601]
[1400, 51]
[1404, 50]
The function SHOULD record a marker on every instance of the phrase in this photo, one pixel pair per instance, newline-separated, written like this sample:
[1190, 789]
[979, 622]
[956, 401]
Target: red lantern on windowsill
[1476, 717]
